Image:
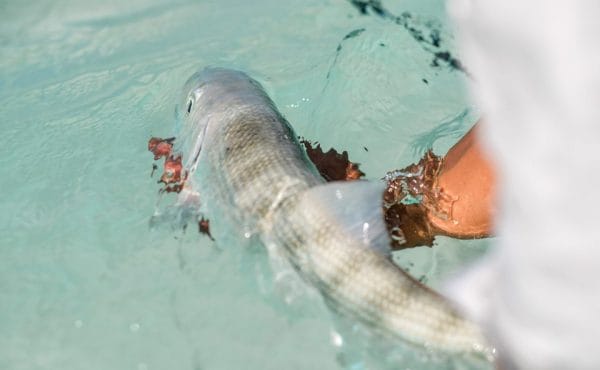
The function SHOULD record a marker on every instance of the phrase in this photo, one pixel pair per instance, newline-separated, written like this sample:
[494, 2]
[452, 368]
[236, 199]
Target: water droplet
[142, 366]
[247, 231]
[78, 324]
[134, 327]
[336, 338]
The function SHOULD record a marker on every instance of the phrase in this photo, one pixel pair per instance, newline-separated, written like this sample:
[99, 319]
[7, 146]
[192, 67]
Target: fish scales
[369, 284]
[251, 164]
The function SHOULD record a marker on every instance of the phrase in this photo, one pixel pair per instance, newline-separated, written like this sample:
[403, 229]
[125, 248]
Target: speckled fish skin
[245, 157]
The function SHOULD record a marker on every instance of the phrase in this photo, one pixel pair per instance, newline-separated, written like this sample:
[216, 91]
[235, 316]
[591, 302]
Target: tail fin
[357, 205]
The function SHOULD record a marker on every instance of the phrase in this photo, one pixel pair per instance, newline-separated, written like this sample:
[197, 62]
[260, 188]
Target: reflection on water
[83, 86]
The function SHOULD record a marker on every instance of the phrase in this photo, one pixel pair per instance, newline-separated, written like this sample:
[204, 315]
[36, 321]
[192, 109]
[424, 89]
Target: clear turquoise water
[84, 282]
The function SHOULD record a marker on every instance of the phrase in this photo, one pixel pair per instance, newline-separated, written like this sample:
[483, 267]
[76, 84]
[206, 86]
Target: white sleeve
[535, 69]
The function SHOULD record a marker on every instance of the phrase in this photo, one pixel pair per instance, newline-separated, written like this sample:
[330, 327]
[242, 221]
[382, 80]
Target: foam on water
[84, 281]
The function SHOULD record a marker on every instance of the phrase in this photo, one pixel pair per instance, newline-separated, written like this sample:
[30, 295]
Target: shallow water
[84, 282]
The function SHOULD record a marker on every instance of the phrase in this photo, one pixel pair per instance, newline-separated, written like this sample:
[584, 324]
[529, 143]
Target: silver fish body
[242, 154]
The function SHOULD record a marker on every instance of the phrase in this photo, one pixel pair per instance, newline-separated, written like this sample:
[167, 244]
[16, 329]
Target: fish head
[208, 98]
[215, 91]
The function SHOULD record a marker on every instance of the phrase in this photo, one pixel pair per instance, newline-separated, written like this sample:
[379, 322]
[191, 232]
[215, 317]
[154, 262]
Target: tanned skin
[467, 176]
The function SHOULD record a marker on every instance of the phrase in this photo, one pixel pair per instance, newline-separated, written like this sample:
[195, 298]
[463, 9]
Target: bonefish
[243, 157]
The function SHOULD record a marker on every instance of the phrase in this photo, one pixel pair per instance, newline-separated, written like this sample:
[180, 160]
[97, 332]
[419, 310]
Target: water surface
[84, 282]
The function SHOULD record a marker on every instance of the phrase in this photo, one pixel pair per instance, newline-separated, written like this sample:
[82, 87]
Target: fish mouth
[193, 161]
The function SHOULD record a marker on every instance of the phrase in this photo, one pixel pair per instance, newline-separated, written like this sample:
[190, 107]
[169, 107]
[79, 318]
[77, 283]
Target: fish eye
[189, 105]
